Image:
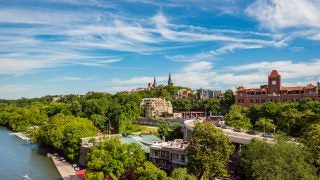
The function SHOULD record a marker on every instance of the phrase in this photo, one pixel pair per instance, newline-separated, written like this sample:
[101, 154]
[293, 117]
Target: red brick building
[274, 92]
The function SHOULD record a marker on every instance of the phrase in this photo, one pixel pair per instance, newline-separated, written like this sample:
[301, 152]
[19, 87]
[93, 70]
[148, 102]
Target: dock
[64, 168]
[22, 136]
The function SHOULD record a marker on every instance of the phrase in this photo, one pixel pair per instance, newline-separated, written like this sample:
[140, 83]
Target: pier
[65, 169]
[22, 136]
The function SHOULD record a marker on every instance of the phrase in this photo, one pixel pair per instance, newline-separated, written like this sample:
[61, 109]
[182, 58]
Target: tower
[154, 82]
[274, 82]
[169, 80]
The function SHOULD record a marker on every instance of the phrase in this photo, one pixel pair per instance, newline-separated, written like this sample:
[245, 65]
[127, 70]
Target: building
[156, 107]
[203, 94]
[190, 115]
[169, 155]
[274, 92]
[183, 94]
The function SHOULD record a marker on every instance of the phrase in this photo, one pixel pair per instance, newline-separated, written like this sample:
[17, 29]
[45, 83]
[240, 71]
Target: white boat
[26, 177]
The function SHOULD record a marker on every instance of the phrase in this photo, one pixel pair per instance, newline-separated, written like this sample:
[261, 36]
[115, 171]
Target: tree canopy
[208, 152]
[113, 158]
[64, 133]
[282, 160]
[148, 171]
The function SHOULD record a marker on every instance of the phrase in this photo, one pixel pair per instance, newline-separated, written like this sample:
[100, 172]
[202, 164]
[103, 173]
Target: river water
[18, 158]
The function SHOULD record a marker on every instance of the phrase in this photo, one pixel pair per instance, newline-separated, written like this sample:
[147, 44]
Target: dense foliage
[312, 141]
[181, 174]
[64, 133]
[113, 159]
[169, 133]
[208, 152]
[148, 171]
[282, 160]
[291, 118]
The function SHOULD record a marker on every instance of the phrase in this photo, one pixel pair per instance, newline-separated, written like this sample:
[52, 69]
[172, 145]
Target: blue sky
[51, 47]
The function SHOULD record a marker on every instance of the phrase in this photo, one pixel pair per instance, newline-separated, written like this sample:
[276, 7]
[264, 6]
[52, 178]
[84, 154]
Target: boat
[26, 177]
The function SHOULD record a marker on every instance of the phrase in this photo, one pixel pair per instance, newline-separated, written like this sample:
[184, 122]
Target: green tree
[100, 121]
[148, 171]
[312, 141]
[212, 105]
[181, 174]
[227, 102]
[265, 125]
[113, 158]
[182, 105]
[237, 117]
[164, 129]
[64, 133]
[94, 176]
[208, 152]
[282, 160]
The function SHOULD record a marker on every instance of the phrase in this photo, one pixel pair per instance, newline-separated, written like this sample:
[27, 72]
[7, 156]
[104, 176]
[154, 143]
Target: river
[17, 158]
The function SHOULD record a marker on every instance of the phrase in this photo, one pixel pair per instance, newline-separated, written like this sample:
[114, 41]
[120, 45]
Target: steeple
[169, 80]
[154, 82]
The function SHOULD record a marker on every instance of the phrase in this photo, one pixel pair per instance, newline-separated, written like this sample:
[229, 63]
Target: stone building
[183, 94]
[155, 107]
[169, 155]
[274, 92]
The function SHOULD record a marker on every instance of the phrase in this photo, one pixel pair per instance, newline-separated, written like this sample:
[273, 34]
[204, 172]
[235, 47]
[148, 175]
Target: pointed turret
[169, 80]
[154, 82]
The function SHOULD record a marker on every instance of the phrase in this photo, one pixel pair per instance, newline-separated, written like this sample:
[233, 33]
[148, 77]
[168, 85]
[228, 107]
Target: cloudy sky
[74, 46]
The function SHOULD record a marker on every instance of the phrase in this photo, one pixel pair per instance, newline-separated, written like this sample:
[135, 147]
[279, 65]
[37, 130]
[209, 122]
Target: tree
[94, 176]
[283, 160]
[181, 174]
[164, 129]
[265, 125]
[208, 152]
[148, 171]
[113, 158]
[227, 102]
[212, 105]
[64, 133]
[312, 141]
[182, 105]
[99, 121]
[237, 117]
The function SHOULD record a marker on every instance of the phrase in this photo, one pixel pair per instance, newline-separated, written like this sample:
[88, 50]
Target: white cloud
[203, 74]
[210, 55]
[280, 14]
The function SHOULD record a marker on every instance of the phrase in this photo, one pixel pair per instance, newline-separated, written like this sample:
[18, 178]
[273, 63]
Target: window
[257, 100]
[251, 100]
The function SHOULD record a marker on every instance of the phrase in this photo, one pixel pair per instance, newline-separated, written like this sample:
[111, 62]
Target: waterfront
[17, 158]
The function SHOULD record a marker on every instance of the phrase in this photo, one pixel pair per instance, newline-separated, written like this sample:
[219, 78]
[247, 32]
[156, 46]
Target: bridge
[236, 137]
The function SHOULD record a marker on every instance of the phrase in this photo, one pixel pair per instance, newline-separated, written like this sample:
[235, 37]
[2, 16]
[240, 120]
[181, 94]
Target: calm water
[18, 158]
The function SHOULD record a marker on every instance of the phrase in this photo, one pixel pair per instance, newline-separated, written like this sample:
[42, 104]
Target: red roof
[310, 86]
[274, 73]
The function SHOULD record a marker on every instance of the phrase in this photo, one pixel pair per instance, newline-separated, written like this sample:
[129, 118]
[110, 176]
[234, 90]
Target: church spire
[154, 82]
[169, 80]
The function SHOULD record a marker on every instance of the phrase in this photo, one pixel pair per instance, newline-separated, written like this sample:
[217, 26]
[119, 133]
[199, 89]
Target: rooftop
[177, 144]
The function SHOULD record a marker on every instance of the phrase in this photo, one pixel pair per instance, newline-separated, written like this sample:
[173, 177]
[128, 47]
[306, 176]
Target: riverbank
[64, 168]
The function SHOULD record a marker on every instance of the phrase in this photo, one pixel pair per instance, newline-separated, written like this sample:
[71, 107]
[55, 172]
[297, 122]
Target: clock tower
[274, 82]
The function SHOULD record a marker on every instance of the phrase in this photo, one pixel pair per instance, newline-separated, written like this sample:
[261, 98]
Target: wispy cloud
[279, 14]
[70, 78]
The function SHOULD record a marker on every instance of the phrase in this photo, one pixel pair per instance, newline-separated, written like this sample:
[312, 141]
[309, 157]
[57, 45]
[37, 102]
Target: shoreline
[21, 135]
[64, 168]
